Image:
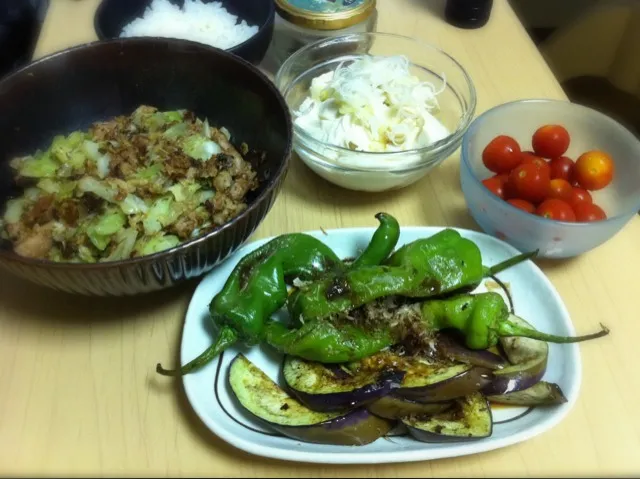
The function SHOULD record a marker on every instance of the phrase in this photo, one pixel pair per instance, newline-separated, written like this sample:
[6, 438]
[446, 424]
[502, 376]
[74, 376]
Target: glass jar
[299, 22]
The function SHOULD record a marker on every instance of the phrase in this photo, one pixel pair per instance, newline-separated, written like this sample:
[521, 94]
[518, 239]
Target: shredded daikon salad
[373, 104]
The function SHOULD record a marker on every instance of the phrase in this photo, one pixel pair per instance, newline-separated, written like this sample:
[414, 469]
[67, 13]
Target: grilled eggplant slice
[442, 382]
[330, 388]
[425, 380]
[540, 394]
[446, 383]
[528, 358]
[392, 406]
[450, 347]
[469, 419]
[265, 400]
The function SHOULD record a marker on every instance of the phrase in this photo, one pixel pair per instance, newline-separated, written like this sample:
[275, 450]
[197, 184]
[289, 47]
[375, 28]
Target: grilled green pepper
[443, 263]
[482, 319]
[382, 242]
[327, 342]
[256, 289]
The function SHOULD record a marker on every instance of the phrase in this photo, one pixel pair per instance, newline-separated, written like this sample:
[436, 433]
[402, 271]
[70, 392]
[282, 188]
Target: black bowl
[113, 15]
[69, 90]
[20, 23]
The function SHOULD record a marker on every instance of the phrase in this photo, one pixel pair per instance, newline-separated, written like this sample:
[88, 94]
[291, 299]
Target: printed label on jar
[327, 6]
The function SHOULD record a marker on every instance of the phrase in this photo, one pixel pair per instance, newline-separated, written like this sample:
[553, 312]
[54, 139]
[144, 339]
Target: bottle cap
[468, 13]
[325, 14]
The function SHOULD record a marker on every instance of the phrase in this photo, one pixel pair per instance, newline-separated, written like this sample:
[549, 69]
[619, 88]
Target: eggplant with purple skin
[469, 419]
[426, 380]
[330, 388]
[445, 383]
[265, 400]
[528, 358]
[451, 348]
[393, 407]
[540, 394]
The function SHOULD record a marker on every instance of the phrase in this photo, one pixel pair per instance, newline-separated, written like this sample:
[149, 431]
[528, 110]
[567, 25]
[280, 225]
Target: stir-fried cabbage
[126, 240]
[14, 210]
[41, 166]
[200, 148]
[104, 226]
[157, 243]
[128, 187]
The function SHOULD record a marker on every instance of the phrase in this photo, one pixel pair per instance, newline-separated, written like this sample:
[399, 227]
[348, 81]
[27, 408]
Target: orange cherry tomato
[562, 167]
[523, 205]
[529, 182]
[502, 154]
[579, 195]
[555, 209]
[587, 212]
[550, 141]
[594, 170]
[560, 189]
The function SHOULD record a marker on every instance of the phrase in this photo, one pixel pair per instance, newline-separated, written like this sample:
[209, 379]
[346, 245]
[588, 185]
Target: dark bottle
[468, 13]
[19, 26]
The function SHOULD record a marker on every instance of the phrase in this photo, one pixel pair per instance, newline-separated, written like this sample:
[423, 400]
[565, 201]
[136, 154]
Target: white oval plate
[534, 297]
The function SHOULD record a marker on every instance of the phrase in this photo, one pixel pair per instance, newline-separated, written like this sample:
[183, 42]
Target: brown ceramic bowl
[71, 89]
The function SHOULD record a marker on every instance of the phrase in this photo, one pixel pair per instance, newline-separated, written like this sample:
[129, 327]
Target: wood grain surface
[78, 391]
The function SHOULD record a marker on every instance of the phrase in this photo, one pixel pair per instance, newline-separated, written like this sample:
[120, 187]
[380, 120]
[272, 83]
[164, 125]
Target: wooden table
[78, 391]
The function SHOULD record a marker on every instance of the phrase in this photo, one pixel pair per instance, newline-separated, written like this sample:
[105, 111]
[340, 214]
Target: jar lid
[325, 14]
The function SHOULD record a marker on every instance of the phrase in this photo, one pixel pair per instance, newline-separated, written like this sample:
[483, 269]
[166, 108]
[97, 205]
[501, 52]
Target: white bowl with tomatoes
[550, 175]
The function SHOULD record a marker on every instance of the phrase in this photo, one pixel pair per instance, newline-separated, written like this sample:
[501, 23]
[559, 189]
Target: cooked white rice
[207, 23]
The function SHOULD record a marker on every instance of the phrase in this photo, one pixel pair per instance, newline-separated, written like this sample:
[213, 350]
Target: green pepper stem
[497, 268]
[227, 337]
[507, 328]
[382, 242]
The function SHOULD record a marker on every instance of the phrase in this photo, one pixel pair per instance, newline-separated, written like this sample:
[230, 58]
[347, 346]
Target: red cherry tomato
[529, 182]
[579, 195]
[503, 177]
[560, 189]
[509, 191]
[495, 184]
[523, 205]
[594, 170]
[562, 167]
[550, 141]
[539, 162]
[526, 154]
[555, 209]
[587, 212]
[502, 154]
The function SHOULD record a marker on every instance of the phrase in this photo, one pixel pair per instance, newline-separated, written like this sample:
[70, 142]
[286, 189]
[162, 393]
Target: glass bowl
[589, 130]
[368, 171]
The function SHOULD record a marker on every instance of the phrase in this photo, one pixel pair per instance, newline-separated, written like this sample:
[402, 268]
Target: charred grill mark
[245, 275]
[339, 287]
[431, 285]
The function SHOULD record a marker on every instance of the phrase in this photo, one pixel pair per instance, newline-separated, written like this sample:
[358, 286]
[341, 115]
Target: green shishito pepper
[382, 242]
[257, 287]
[324, 341]
[482, 319]
[441, 264]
